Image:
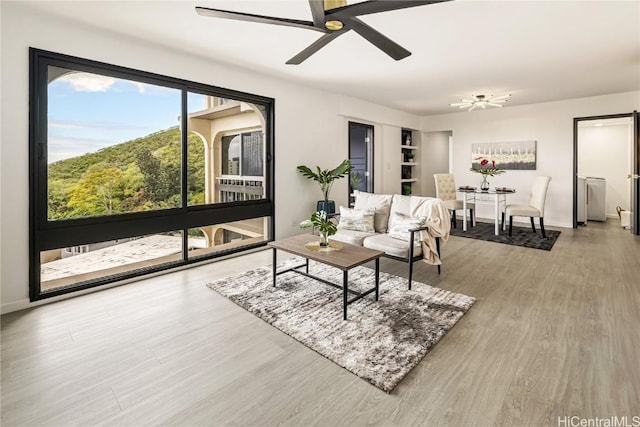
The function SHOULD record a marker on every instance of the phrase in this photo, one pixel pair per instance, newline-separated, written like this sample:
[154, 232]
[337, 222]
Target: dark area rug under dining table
[521, 236]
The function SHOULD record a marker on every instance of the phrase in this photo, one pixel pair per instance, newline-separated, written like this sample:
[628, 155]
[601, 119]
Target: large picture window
[133, 172]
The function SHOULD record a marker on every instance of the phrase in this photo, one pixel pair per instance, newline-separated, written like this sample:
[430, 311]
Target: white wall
[311, 126]
[391, 155]
[551, 124]
[606, 152]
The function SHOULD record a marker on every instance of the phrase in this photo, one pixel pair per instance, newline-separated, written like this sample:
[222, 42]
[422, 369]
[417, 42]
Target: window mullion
[184, 186]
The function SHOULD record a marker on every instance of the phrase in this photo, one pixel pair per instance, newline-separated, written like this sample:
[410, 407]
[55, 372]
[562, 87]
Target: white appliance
[625, 219]
[596, 199]
[582, 200]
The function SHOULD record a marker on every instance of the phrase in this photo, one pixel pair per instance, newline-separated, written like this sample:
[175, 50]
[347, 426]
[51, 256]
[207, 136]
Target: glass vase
[484, 185]
[324, 240]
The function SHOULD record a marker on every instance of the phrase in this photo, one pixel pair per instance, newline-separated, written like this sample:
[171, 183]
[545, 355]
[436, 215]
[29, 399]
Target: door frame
[635, 199]
[369, 160]
[635, 182]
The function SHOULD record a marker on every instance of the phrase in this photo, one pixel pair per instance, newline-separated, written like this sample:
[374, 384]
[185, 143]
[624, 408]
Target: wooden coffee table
[345, 259]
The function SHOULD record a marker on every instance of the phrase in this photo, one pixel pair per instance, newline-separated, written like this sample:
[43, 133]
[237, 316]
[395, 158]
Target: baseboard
[15, 306]
[26, 303]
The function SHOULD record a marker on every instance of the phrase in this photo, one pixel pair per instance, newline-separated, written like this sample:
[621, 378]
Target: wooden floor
[553, 334]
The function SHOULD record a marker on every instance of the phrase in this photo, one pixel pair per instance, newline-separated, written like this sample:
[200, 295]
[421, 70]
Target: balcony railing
[233, 188]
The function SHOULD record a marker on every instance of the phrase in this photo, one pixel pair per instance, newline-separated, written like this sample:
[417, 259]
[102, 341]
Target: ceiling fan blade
[314, 47]
[379, 40]
[317, 12]
[377, 6]
[248, 17]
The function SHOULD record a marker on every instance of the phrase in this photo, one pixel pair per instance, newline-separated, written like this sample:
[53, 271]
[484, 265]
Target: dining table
[496, 197]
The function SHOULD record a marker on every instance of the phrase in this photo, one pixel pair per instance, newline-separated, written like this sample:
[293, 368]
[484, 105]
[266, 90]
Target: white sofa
[395, 224]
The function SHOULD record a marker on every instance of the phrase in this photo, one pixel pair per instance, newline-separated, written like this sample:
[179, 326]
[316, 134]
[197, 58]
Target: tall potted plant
[325, 178]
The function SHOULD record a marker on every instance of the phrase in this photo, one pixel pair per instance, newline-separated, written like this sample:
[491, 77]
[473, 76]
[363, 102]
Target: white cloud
[63, 125]
[85, 82]
[141, 86]
[104, 125]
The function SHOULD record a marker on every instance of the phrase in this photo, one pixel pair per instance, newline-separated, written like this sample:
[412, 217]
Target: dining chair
[446, 191]
[535, 208]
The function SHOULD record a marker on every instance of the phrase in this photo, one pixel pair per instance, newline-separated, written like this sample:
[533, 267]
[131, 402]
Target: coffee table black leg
[273, 268]
[307, 265]
[377, 277]
[345, 291]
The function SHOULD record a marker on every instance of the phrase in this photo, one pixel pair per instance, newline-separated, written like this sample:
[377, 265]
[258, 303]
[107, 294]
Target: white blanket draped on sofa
[438, 221]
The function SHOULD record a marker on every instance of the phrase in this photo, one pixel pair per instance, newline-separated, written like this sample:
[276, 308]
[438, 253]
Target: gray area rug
[520, 236]
[380, 342]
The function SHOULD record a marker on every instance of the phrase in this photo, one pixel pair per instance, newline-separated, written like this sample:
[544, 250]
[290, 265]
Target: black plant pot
[329, 206]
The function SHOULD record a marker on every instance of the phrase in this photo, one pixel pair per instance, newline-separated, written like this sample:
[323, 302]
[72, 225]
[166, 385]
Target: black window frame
[45, 234]
[241, 138]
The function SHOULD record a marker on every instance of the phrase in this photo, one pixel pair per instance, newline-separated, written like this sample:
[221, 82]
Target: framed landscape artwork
[520, 155]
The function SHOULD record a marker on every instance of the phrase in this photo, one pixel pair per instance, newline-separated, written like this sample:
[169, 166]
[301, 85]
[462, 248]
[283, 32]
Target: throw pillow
[380, 202]
[399, 226]
[356, 219]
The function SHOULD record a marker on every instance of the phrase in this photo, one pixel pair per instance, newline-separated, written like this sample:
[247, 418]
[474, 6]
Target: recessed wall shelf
[408, 162]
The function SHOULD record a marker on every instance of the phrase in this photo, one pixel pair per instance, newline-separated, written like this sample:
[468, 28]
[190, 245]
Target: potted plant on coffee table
[323, 224]
[325, 178]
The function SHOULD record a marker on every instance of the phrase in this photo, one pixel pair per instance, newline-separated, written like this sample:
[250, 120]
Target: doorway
[361, 156]
[606, 170]
[435, 158]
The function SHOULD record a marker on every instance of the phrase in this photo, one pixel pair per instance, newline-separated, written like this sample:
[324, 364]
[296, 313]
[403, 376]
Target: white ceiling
[538, 51]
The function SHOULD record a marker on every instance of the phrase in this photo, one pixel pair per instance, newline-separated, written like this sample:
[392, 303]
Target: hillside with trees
[138, 175]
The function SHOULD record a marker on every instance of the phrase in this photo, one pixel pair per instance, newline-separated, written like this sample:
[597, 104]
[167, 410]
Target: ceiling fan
[333, 18]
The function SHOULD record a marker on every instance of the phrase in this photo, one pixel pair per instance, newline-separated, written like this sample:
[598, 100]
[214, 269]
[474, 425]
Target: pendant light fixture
[481, 101]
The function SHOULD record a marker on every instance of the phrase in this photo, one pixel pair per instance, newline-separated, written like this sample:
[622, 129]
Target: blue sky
[88, 112]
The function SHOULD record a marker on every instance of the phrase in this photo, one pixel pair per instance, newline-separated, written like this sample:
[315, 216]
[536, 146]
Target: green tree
[170, 162]
[150, 177]
[195, 169]
[134, 198]
[58, 198]
[161, 180]
[98, 193]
